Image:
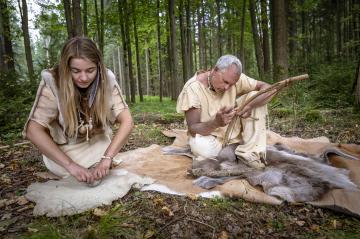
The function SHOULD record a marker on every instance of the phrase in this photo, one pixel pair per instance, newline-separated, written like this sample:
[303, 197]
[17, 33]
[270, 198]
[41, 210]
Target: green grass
[152, 110]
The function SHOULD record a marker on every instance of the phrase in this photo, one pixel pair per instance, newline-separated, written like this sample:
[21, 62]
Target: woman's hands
[89, 175]
[101, 169]
[80, 173]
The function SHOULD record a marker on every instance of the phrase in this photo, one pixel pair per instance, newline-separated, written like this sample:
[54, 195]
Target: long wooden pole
[277, 86]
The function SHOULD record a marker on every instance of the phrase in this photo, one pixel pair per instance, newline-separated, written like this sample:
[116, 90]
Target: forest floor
[155, 215]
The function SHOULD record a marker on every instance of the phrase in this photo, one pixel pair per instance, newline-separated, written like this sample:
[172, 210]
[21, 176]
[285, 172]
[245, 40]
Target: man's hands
[224, 116]
[245, 112]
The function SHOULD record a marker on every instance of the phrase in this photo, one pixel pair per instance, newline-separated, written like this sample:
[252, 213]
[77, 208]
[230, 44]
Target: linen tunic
[46, 111]
[196, 95]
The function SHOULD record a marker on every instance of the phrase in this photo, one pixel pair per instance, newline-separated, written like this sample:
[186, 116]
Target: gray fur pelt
[298, 177]
[291, 176]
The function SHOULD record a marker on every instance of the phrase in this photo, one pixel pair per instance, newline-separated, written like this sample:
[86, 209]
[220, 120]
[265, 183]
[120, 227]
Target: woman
[70, 120]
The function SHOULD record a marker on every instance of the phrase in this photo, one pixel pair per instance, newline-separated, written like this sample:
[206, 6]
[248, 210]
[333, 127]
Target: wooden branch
[277, 86]
[14, 145]
[220, 173]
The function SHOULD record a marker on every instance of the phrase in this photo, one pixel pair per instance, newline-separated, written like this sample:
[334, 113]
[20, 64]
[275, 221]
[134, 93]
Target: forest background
[154, 46]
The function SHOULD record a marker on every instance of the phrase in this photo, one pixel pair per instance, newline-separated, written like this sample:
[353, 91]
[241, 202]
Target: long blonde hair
[80, 47]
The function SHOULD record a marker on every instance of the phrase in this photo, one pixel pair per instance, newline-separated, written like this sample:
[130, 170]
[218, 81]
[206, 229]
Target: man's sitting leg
[252, 152]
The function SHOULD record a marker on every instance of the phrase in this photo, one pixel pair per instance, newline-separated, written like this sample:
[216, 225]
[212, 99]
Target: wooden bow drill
[277, 87]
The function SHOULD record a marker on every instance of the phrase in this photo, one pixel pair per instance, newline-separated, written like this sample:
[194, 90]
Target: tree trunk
[219, 45]
[357, 86]
[97, 19]
[201, 40]
[280, 53]
[129, 54]
[242, 52]
[121, 68]
[173, 62]
[159, 49]
[102, 26]
[183, 43]
[25, 27]
[258, 51]
[265, 45]
[68, 17]
[76, 21]
[196, 65]
[189, 47]
[124, 45]
[85, 17]
[292, 14]
[138, 68]
[7, 54]
[203, 32]
[147, 71]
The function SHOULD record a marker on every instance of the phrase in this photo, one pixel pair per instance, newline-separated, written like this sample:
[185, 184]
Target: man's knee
[205, 146]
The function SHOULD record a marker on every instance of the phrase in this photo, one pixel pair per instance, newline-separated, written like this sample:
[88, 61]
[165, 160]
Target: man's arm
[222, 118]
[258, 101]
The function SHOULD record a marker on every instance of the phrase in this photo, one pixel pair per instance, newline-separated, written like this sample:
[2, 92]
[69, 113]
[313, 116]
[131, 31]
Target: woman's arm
[40, 136]
[126, 125]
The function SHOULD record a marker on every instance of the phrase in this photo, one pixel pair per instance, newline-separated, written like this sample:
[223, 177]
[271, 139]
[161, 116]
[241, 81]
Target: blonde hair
[80, 47]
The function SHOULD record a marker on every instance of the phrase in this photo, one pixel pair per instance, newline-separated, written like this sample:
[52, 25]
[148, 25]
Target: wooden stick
[277, 86]
[220, 173]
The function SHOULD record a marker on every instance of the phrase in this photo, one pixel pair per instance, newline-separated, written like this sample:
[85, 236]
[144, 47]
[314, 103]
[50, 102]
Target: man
[212, 98]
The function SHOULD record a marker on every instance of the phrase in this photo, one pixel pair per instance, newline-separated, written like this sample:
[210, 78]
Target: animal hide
[298, 177]
[291, 176]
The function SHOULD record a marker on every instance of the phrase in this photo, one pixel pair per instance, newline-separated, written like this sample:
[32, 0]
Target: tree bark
[265, 32]
[25, 27]
[173, 62]
[124, 45]
[7, 54]
[203, 32]
[357, 86]
[121, 68]
[201, 40]
[97, 20]
[292, 14]
[85, 17]
[76, 21]
[219, 45]
[129, 53]
[68, 17]
[147, 71]
[159, 49]
[183, 43]
[138, 68]
[242, 52]
[189, 47]
[280, 52]
[258, 50]
[102, 26]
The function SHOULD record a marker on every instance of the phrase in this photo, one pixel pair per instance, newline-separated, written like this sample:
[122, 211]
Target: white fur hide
[67, 196]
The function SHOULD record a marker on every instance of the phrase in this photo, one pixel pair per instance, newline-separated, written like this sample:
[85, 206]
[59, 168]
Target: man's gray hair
[227, 60]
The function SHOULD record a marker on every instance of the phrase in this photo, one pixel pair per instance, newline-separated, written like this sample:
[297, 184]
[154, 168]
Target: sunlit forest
[154, 46]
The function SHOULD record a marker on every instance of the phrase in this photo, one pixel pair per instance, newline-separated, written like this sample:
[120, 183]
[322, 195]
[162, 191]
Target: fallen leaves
[166, 211]
[99, 212]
